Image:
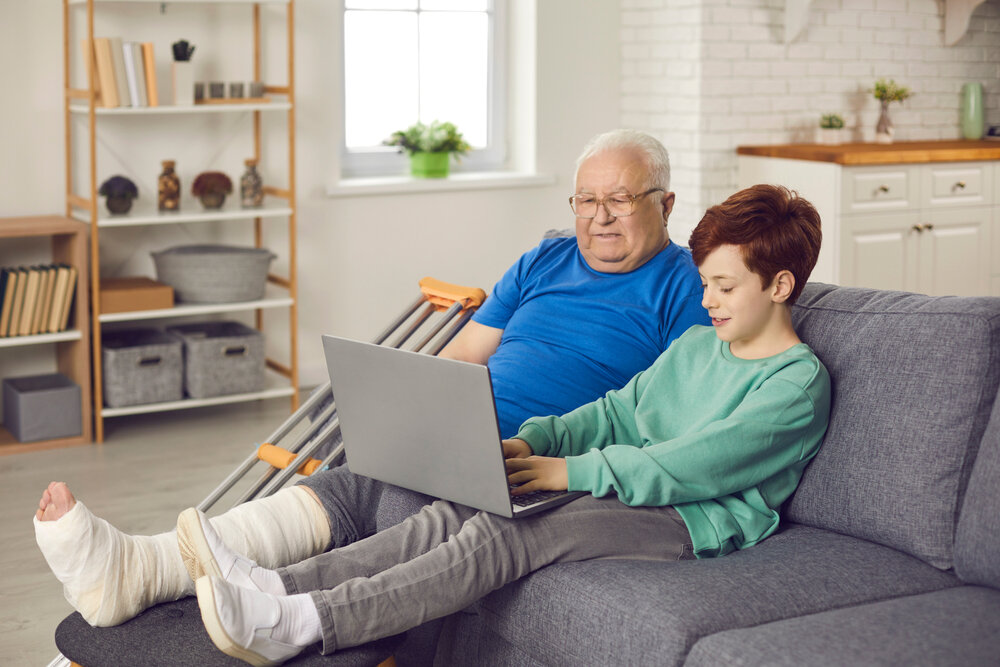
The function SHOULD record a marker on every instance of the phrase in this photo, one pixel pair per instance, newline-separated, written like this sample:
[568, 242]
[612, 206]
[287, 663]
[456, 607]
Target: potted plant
[120, 192]
[831, 126]
[429, 147]
[211, 187]
[886, 92]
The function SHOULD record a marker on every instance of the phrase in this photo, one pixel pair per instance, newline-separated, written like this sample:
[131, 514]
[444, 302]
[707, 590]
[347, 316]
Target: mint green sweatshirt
[722, 439]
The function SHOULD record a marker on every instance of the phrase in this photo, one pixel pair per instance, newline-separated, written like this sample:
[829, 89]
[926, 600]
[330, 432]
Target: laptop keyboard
[533, 497]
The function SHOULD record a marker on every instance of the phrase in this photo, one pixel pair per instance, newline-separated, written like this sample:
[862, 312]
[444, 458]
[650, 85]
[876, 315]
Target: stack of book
[36, 299]
[124, 72]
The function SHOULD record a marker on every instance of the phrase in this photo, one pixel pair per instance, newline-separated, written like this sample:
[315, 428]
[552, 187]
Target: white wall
[707, 76]
[359, 257]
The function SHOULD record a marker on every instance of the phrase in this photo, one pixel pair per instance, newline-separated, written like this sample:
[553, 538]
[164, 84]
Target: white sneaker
[241, 621]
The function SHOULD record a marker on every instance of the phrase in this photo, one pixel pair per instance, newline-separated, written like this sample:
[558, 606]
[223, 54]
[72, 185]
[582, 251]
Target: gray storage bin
[141, 366]
[214, 273]
[42, 407]
[221, 358]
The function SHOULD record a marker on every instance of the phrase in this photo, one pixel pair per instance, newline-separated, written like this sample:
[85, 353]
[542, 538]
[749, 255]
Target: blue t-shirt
[571, 334]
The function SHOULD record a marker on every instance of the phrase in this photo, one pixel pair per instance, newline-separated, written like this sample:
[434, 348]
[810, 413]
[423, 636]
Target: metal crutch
[455, 304]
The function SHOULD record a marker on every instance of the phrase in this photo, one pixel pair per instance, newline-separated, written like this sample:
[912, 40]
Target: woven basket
[141, 366]
[221, 358]
[214, 273]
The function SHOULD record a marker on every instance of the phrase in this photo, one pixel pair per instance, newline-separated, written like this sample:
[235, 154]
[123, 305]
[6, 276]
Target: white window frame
[387, 161]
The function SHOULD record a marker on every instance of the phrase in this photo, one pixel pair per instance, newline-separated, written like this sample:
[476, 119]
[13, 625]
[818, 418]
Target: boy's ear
[782, 286]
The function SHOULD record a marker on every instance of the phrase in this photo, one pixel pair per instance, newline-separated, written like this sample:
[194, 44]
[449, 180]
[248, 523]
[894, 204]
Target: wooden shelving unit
[280, 203]
[72, 347]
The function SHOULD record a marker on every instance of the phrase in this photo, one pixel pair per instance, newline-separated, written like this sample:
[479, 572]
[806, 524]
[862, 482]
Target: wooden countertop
[900, 152]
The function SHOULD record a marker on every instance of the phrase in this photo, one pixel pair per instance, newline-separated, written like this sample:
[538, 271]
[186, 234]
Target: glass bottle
[972, 110]
[251, 185]
[168, 188]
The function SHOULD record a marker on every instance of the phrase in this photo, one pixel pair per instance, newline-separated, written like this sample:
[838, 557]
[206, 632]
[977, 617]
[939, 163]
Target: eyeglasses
[618, 205]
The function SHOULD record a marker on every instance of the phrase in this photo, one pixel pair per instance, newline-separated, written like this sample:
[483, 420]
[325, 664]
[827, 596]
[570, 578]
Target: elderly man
[571, 320]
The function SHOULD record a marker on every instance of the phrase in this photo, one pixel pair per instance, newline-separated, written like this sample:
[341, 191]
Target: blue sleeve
[505, 297]
[687, 312]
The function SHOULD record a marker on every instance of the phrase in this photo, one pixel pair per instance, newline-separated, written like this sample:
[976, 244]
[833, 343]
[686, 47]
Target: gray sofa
[890, 548]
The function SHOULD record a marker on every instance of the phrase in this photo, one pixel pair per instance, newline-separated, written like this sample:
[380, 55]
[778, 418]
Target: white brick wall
[706, 76]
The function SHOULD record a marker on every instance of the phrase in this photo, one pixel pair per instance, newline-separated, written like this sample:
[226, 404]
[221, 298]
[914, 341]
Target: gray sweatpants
[447, 556]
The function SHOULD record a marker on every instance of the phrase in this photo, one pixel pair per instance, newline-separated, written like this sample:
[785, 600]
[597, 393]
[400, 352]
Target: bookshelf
[72, 346]
[82, 107]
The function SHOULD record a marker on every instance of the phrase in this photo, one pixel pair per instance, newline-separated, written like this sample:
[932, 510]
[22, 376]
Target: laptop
[426, 424]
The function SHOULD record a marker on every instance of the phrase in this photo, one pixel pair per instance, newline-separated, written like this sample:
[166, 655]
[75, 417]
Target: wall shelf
[280, 202]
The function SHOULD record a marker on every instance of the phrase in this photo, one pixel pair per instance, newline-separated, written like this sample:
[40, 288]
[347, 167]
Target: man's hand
[516, 449]
[537, 473]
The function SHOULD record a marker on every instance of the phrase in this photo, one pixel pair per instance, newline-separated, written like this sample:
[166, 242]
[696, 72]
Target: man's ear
[782, 286]
[667, 205]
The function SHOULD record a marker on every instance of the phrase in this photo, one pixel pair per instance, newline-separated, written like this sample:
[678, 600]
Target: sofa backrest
[977, 538]
[914, 380]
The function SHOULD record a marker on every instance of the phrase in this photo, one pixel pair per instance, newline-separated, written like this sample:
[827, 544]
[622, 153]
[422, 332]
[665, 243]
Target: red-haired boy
[695, 455]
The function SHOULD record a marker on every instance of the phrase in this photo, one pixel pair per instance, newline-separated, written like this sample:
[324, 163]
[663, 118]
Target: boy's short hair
[775, 229]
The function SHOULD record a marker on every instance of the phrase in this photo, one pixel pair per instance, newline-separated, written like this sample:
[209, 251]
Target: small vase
[119, 204]
[972, 111]
[429, 165]
[213, 200]
[251, 186]
[829, 136]
[884, 129]
[182, 81]
[168, 188]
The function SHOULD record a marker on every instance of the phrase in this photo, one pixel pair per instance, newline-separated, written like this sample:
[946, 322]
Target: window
[426, 60]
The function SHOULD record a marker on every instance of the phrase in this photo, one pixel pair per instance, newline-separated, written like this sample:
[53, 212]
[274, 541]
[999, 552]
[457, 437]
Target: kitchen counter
[900, 152]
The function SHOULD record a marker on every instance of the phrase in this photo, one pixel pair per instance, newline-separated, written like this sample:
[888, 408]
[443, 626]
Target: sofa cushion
[977, 539]
[914, 379]
[957, 626]
[571, 613]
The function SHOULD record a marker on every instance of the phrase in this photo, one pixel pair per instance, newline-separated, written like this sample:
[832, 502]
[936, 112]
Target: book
[106, 72]
[18, 305]
[58, 297]
[89, 54]
[70, 298]
[43, 302]
[121, 79]
[30, 301]
[7, 281]
[135, 75]
[43, 321]
[149, 66]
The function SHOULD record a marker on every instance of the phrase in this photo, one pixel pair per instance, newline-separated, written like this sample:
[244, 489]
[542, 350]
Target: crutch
[453, 305]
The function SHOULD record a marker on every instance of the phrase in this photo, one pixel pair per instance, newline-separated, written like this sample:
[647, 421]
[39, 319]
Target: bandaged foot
[107, 576]
[204, 553]
[256, 627]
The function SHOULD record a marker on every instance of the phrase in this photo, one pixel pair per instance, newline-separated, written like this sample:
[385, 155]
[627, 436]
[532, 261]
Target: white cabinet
[928, 228]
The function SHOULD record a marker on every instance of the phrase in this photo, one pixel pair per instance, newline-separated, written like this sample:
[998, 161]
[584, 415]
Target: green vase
[972, 111]
[429, 165]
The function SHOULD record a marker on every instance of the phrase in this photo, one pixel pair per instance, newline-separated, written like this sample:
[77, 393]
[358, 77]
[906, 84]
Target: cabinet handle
[883, 188]
[960, 185]
[922, 228]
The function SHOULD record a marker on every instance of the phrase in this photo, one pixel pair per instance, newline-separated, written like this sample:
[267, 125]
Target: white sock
[109, 576]
[279, 530]
[299, 623]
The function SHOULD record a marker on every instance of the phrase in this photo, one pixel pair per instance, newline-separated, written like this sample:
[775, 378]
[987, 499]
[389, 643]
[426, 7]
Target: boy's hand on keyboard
[516, 449]
[537, 473]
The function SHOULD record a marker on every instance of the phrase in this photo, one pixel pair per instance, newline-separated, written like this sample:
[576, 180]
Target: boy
[696, 453]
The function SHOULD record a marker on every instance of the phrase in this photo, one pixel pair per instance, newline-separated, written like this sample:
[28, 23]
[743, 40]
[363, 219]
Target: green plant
[118, 186]
[889, 91]
[831, 121]
[211, 182]
[434, 138]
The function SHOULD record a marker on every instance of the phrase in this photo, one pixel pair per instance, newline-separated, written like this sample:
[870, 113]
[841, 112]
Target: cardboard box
[42, 407]
[119, 295]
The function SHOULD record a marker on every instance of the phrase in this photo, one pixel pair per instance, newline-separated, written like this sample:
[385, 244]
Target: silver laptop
[426, 424]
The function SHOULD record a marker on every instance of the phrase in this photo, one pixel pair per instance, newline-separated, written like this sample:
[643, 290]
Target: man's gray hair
[657, 158]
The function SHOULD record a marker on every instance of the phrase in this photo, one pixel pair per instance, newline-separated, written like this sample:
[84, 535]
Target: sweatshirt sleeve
[596, 424]
[771, 430]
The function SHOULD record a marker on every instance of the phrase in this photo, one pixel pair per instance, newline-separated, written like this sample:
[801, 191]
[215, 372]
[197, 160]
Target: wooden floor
[149, 469]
